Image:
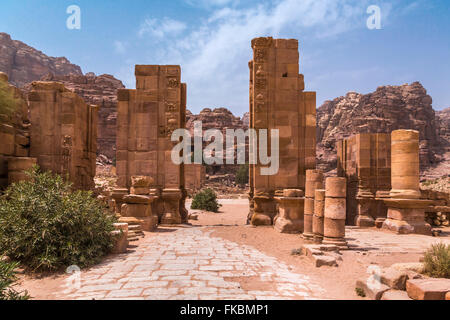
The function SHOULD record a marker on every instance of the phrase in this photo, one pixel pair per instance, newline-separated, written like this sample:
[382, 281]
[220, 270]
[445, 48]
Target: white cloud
[120, 47]
[161, 28]
[214, 54]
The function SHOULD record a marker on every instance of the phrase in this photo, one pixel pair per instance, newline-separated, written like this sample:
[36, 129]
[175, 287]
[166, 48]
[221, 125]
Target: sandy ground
[370, 247]
[230, 224]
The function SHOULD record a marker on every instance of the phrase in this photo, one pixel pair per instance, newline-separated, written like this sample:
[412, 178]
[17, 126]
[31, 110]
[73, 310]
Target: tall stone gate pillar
[146, 120]
[278, 101]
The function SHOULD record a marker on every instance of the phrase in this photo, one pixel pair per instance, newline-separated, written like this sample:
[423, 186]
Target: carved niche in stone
[171, 107]
[172, 83]
[261, 83]
[260, 55]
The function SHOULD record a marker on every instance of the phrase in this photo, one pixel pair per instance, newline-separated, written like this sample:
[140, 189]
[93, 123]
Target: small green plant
[45, 225]
[206, 200]
[437, 261]
[296, 252]
[242, 175]
[7, 279]
[7, 100]
[360, 292]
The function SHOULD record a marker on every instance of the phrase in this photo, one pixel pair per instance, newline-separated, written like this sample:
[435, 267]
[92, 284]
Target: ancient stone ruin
[146, 120]
[63, 133]
[278, 101]
[365, 160]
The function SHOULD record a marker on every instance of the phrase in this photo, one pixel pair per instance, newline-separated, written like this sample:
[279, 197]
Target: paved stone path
[187, 263]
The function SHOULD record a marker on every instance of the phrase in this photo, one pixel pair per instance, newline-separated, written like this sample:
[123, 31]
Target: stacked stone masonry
[146, 120]
[314, 181]
[365, 160]
[63, 133]
[278, 101]
[335, 212]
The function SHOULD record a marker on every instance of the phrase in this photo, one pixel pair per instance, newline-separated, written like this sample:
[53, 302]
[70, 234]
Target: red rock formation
[24, 64]
[388, 108]
[219, 118]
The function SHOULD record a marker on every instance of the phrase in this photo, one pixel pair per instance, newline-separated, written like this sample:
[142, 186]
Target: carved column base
[406, 216]
[264, 211]
[171, 199]
[290, 218]
[341, 243]
[364, 221]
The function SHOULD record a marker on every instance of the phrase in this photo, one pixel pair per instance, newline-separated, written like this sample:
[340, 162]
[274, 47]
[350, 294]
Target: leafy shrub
[45, 225]
[437, 261]
[206, 200]
[242, 175]
[7, 100]
[8, 278]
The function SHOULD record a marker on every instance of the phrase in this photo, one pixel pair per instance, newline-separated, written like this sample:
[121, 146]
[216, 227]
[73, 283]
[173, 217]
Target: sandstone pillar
[290, 216]
[278, 101]
[406, 211]
[314, 180]
[335, 212]
[146, 119]
[319, 215]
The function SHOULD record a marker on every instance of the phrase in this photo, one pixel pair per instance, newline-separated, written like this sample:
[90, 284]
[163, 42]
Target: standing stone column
[318, 218]
[314, 180]
[335, 212]
[405, 164]
[406, 211]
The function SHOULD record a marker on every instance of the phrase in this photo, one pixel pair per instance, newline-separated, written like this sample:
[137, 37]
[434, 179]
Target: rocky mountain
[219, 118]
[388, 108]
[24, 64]
[443, 118]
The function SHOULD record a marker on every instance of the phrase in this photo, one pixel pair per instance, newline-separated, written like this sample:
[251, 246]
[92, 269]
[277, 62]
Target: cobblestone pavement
[386, 243]
[187, 263]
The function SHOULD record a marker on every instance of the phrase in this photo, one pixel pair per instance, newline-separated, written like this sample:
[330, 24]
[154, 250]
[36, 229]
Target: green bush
[45, 225]
[206, 200]
[437, 261]
[8, 278]
[7, 100]
[242, 175]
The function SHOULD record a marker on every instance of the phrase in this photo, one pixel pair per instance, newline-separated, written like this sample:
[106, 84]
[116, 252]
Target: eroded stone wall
[365, 160]
[63, 133]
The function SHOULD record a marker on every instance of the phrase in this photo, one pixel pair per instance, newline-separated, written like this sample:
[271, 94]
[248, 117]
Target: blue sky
[210, 39]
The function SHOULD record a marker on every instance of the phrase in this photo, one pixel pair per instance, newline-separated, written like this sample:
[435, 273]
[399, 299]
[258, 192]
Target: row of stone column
[325, 209]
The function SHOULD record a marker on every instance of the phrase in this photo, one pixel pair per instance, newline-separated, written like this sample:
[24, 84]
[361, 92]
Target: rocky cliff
[219, 118]
[24, 64]
[388, 108]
